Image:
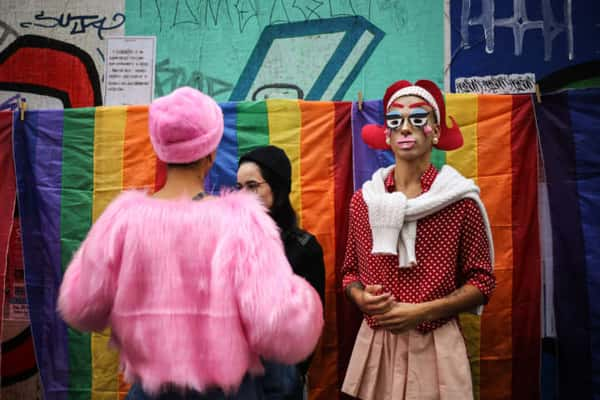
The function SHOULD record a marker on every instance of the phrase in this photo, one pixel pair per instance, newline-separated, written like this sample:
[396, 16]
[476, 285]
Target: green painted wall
[208, 44]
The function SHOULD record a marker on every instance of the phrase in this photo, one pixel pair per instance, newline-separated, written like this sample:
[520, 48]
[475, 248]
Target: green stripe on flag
[252, 126]
[438, 158]
[75, 221]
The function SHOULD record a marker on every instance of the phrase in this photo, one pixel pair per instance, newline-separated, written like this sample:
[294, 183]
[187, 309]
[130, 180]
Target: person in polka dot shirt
[419, 252]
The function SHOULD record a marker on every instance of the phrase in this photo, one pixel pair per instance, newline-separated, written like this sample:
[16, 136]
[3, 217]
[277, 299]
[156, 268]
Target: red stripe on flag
[526, 253]
[8, 196]
[348, 316]
[161, 175]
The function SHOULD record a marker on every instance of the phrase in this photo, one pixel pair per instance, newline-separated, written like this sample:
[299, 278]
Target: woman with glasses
[192, 304]
[267, 172]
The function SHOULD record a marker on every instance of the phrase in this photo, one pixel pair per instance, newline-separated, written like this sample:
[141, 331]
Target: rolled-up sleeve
[350, 270]
[474, 254]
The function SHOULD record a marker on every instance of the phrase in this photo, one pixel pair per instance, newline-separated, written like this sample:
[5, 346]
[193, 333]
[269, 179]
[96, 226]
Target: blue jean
[281, 382]
[249, 390]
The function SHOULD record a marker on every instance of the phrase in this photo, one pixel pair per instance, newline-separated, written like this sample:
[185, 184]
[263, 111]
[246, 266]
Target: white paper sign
[129, 70]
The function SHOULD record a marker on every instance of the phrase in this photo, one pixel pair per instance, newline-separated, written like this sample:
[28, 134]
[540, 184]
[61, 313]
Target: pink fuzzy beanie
[185, 126]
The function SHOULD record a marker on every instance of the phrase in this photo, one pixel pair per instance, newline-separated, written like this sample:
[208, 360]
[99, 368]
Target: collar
[426, 180]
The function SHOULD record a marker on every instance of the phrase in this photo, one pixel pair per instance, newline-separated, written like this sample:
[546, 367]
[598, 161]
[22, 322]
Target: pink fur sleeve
[89, 283]
[281, 312]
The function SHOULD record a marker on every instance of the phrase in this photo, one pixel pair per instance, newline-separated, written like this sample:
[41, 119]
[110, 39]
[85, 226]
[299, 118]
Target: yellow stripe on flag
[284, 132]
[463, 107]
[109, 131]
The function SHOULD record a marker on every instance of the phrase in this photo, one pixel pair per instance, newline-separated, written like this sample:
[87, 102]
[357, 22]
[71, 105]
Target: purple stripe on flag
[366, 160]
[38, 162]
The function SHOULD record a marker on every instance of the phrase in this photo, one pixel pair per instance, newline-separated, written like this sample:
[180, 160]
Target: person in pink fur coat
[195, 288]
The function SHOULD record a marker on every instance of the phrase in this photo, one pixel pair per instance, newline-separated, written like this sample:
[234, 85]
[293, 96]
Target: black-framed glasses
[250, 185]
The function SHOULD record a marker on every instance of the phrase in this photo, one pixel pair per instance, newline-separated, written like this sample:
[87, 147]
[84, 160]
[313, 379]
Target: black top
[305, 255]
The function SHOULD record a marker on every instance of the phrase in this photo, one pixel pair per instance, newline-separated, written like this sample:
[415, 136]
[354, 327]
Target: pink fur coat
[195, 292]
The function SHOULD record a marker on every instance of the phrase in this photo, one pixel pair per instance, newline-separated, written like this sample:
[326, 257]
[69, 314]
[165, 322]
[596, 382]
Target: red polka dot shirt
[451, 247]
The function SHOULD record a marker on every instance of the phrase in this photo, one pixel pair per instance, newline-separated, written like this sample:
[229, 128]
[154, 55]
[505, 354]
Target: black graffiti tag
[78, 23]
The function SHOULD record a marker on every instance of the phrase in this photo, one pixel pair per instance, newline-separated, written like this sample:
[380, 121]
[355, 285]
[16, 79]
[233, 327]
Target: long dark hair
[281, 211]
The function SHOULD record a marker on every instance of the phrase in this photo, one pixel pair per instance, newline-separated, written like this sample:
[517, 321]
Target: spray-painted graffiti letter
[80, 23]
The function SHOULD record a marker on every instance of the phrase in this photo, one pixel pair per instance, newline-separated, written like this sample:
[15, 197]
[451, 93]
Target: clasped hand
[390, 315]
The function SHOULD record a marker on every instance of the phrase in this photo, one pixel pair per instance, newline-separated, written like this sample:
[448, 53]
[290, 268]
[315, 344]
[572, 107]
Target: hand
[370, 301]
[401, 317]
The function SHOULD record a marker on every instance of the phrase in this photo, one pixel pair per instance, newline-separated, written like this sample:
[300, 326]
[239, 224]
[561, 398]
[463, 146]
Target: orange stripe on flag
[139, 171]
[495, 182]
[318, 206]
[139, 159]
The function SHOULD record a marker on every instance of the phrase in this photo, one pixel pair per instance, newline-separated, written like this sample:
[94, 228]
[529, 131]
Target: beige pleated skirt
[410, 366]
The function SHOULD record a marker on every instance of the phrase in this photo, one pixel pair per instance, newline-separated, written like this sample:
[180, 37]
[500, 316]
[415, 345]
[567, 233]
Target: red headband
[450, 137]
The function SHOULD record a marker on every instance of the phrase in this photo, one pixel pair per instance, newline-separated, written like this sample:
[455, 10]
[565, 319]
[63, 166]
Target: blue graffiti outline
[354, 27]
[12, 103]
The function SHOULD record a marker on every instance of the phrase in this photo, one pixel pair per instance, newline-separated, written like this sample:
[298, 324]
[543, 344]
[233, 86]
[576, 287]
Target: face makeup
[417, 118]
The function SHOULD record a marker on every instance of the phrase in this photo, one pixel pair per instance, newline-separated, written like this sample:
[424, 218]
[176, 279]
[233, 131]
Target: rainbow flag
[568, 127]
[500, 154]
[71, 163]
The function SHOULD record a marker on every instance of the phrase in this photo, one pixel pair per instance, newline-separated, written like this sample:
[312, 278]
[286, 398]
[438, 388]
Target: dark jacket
[305, 255]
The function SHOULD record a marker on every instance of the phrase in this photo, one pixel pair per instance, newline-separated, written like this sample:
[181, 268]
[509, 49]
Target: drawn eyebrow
[419, 104]
[394, 104]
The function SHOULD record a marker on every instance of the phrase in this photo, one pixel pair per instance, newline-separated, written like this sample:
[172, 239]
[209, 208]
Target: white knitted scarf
[393, 217]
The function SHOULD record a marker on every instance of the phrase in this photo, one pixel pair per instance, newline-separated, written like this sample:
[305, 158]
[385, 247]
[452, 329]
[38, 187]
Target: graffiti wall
[19, 372]
[52, 52]
[307, 49]
[310, 49]
[494, 43]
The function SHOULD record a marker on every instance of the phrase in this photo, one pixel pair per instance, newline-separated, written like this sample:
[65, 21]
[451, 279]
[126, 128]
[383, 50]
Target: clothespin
[538, 93]
[22, 108]
[360, 101]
